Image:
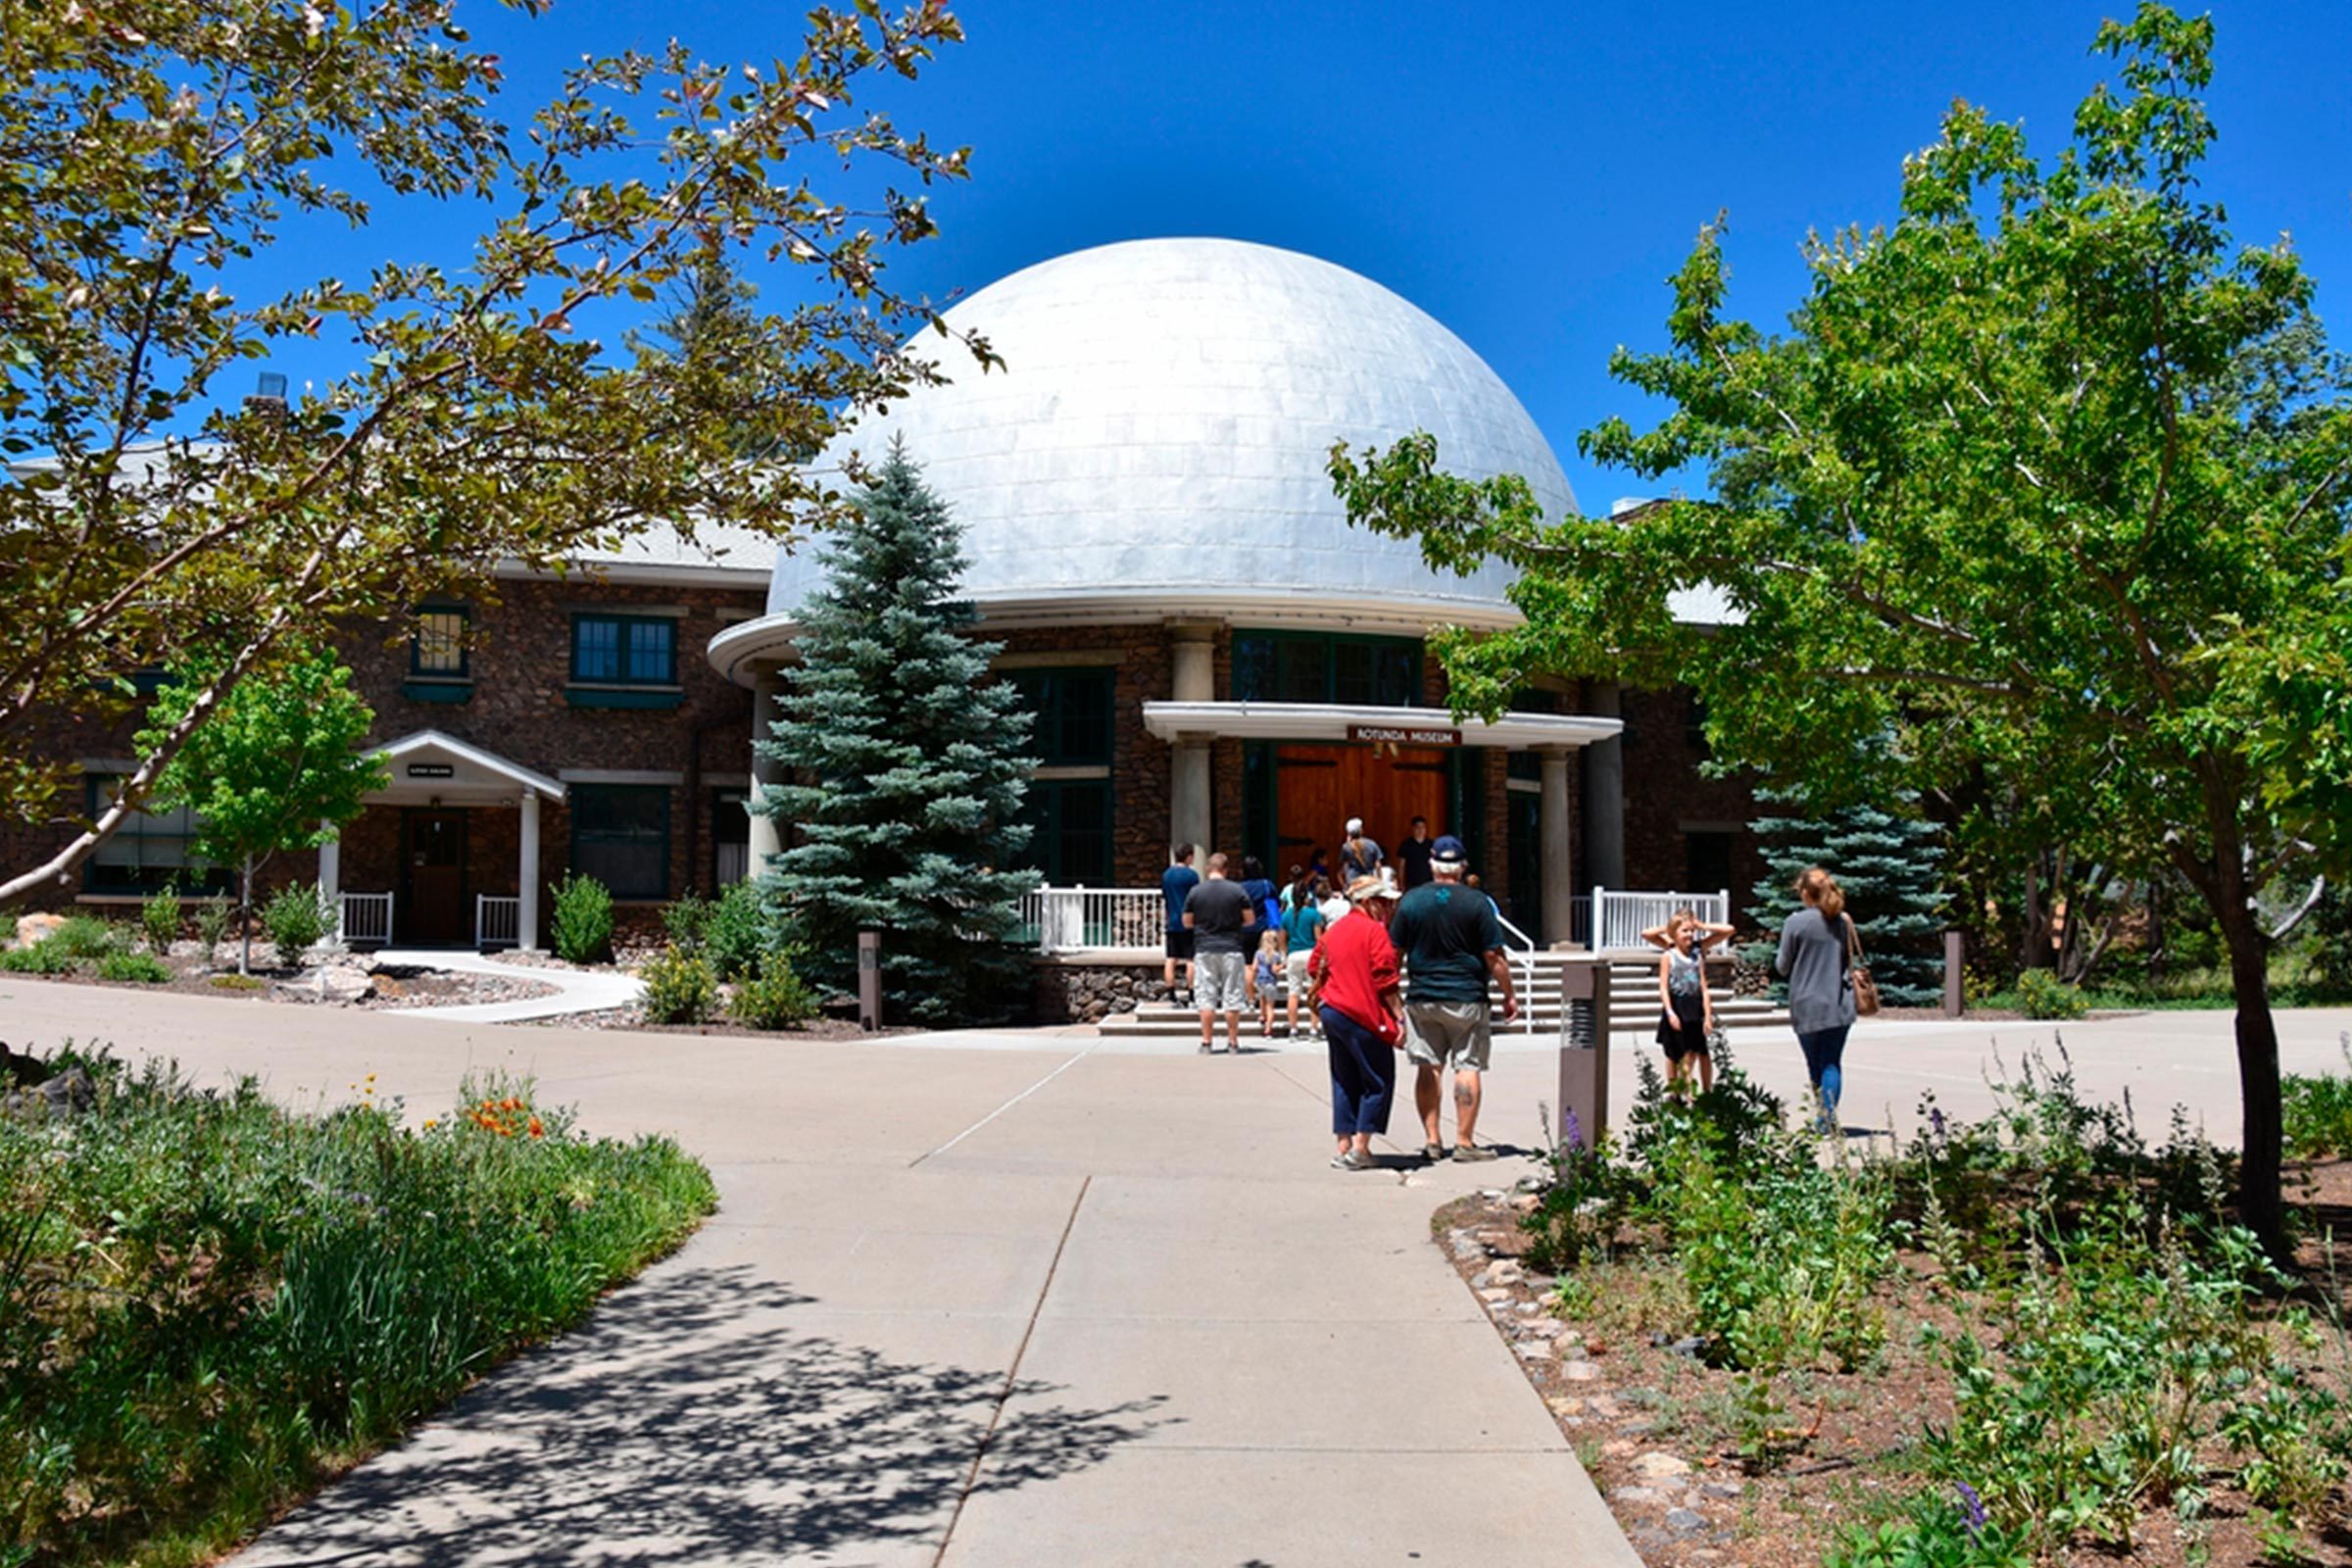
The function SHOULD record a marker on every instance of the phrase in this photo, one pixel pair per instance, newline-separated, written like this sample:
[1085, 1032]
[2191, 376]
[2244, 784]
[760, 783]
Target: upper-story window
[624, 649]
[438, 645]
[1073, 709]
[1283, 666]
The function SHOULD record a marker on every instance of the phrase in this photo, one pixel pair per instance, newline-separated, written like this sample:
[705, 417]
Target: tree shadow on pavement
[697, 1418]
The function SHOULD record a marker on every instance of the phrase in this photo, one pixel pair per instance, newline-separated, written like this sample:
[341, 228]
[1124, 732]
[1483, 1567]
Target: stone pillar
[1192, 800]
[767, 834]
[528, 877]
[1604, 793]
[1554, 871]
[330, 879]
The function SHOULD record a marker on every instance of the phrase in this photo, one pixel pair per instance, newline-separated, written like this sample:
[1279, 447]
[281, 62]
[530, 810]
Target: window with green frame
[1288, 667]
[1073, 709]
[1069, 830]
[438, 645]
[1070, 818]
[624, 649]
[150, 851]
[620, 836]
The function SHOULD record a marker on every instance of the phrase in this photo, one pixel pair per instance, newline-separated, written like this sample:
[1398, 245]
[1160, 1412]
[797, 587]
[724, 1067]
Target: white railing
[364, 917]
[1523, 962]
[1620, 919]
[1075, 919]
[496, 920]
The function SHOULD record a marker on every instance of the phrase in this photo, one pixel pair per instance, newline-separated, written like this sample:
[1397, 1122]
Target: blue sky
[1528, 174]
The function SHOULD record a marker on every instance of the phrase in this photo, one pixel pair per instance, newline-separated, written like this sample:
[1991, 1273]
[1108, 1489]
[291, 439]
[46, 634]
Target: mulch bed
[1656, 1427]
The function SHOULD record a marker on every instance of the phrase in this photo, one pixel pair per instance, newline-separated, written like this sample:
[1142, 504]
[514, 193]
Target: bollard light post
[1584, 1048]
[1955, 974]
[869, 980]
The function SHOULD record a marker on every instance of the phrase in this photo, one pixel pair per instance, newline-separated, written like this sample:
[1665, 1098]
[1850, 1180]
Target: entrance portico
[438, 893]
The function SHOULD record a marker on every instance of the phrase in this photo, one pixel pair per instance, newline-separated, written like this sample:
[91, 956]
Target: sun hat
[1334, 907]
[1364, 889]
[1449, 850]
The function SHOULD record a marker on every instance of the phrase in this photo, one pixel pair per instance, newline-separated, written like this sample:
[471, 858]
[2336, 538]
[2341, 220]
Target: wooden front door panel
[1318, 788]
[432, 860]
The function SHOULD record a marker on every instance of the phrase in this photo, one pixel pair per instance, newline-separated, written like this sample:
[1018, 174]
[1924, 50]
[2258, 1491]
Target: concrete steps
[1631, 986]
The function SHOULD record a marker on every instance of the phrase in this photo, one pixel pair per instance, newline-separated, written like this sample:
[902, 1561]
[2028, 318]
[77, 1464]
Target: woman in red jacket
[1355, 979]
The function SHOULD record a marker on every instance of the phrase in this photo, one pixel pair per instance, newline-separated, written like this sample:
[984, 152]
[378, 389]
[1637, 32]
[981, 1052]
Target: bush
[773, 998]
[41, 958]
[679, 987]
[139, 968]
[2318, 1112]
[687, 920]
[298, 919]
[159, 917]
[210, 917]
[2041, 994]
[583, 922]
[85, 936]
[741, 936]
[277, 1294]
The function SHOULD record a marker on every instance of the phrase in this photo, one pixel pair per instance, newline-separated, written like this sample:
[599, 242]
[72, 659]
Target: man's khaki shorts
[1441, 1033]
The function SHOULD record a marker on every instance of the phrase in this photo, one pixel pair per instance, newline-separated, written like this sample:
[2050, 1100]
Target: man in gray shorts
[1222, 920]
[1450, 939]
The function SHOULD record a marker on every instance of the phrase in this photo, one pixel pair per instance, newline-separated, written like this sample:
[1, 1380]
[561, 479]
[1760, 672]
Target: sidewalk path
[576, 990]
[1031, 1304]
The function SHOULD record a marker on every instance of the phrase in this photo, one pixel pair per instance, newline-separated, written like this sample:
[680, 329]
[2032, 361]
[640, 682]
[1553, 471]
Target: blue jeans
[1825, 1050]
[1363, 1074]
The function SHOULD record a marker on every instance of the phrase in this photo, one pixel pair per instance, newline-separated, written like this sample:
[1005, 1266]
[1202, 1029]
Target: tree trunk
[245, 919]
[2260, 1202]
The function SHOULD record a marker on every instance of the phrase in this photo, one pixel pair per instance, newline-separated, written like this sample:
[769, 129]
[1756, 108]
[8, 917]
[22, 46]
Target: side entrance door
[432, 875]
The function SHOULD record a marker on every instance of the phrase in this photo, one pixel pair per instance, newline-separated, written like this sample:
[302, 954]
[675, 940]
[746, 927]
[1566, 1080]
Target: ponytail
[1821, 890]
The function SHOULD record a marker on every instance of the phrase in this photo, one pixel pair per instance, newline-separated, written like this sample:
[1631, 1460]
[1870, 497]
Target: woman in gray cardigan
[1821, 994]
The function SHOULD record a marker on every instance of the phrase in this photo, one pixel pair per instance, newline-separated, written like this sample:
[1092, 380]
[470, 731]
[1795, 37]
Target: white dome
[1161, 423]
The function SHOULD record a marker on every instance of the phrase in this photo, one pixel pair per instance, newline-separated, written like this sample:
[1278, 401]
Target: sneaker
[1472, 1152]
[1207, 1050]
[1433, 1153]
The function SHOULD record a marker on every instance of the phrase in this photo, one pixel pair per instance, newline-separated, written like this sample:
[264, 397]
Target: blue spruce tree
[907, 766]
[1890, 866]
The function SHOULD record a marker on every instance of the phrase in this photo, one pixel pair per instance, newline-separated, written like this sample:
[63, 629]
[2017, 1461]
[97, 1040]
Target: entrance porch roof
[1339, 721]
[429, 765]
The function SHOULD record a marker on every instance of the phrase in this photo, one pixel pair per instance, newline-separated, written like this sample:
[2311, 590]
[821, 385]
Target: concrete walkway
[576, 990]
[998, 1301]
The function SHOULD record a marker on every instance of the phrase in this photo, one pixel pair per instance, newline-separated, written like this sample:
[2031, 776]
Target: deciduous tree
[2045, 484]
[158, 152]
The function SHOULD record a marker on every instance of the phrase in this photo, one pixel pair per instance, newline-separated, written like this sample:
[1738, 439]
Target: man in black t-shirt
[1413, 855]
[1220, 917]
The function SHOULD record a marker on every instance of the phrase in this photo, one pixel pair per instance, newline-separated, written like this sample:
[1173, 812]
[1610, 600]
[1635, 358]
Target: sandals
[1433, 1153]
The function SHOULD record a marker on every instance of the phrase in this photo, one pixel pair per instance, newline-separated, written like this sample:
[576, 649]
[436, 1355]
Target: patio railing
[1074, 920]
[364, 917]
[1620, 919]
[496, 920]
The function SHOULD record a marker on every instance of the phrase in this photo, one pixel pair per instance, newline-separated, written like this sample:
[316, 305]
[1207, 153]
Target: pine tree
[1888, 864]
[909, 769]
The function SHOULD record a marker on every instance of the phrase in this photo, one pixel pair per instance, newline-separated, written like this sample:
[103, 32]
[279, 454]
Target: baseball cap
[1449, 850]
[1355, 825]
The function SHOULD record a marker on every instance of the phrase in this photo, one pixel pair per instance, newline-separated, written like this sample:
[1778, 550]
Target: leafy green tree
[908, 766]
[276, 766]
[1887, 863]
[2046, 484]
[165, 157]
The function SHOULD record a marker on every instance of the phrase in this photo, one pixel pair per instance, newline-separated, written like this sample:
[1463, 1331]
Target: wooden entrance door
[432, 862]
[1318, 788]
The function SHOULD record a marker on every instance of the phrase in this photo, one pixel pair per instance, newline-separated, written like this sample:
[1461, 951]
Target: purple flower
[1935, 1122]
[1572, 1131]
[1972, 1508]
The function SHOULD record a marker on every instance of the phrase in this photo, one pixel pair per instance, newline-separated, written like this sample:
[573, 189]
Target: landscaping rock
[1580, 1372]
[1493, 1296]
[1723, 1489]
[338, 983]
[1635, 1494]
[1505, 1273]
[1694, 1347]
[33, 928]
[65, 1095]
[1661, 1466]
[1534, 1351]
[1684, 1521]
[1525, 1203]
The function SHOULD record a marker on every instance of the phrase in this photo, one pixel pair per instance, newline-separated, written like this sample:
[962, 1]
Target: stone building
[1216, 657]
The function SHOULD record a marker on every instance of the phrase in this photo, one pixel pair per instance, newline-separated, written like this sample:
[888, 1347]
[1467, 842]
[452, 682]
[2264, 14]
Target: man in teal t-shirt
[1450, 939]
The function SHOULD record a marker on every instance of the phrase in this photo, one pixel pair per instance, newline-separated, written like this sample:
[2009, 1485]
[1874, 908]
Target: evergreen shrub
[297, 919]
[582, 928]
[1889, 861]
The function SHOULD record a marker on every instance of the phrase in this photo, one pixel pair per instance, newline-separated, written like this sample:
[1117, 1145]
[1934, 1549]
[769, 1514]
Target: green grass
[208, 1303]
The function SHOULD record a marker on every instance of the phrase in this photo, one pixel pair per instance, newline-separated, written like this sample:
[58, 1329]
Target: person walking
[1687, 1021]
[1219, 915]
[1359, 855]
[1260, 891]
[1354, 975]
[1814, 956]
[1302, 928]
[1449, 939]
[1176, 884]
[1413, 855]
[1266, 971]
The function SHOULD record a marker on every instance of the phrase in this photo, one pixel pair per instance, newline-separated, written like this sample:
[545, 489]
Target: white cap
[1336, 906]
[1355, 827]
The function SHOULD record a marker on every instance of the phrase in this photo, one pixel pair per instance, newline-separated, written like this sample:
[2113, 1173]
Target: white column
[767, 834]
[526, 886]
[1558, 892]
[1191, 799]
[331, 878]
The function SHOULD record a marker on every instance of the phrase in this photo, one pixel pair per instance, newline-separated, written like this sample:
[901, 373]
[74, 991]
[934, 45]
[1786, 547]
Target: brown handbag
[1866, 990]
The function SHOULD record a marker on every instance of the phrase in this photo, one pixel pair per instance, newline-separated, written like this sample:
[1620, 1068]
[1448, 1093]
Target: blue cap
[1448, 849]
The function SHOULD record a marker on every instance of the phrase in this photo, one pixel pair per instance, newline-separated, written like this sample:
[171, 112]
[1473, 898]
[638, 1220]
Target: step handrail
[1527, 958]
